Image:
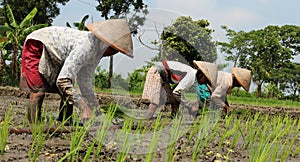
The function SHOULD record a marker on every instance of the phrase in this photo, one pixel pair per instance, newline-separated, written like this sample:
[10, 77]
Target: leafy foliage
[190, 39]
[101, 78]
[121, 9]
[80, 25]
[15, 35]
[288, 78]
[134, 82]
[48, 10]
[266, 52]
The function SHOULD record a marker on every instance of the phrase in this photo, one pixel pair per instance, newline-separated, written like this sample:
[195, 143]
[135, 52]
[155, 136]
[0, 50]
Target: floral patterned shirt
[70, 53]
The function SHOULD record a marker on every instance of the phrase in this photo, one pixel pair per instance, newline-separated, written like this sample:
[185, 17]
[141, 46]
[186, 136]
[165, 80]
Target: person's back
[61, 40]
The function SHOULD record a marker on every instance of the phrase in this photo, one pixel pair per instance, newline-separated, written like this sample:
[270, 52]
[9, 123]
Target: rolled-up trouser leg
[35, 106]
[66, 103]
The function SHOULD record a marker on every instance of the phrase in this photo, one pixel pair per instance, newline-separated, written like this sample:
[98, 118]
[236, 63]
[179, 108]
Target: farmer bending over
[53, 58]
[157, 90]
[226, 82]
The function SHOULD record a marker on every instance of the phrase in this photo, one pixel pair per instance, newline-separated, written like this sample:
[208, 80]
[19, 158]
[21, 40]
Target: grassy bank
[263, 102]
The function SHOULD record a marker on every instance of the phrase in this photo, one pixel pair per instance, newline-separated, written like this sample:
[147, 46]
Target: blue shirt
[202, 92]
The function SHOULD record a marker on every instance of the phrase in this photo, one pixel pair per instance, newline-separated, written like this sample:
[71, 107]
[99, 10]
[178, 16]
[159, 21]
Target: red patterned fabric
[153, 90]
[31, 55]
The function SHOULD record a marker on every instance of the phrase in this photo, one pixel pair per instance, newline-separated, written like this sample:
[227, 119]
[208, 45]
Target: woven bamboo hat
[210, 70]
[115, 32]
[243, 76]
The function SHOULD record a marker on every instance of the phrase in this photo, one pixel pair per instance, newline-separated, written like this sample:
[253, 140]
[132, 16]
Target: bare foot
[86, 113]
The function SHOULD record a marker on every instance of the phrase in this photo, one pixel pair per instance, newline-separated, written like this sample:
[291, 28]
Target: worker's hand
[177, 95]
[194, 111]
[227, 109]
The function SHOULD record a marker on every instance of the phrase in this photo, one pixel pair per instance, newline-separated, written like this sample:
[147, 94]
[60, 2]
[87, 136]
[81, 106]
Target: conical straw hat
[210, 70]
[243, 76]
[115, 32]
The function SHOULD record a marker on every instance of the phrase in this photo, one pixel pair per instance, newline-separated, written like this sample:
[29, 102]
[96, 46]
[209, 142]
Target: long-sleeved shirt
[70, 53]
[224, 85]
[187, 73]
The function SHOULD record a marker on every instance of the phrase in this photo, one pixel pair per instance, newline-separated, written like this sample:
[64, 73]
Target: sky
[235, 14]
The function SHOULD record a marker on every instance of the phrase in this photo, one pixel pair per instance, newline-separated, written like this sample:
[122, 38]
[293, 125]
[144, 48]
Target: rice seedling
[195, 123]
[249, 127]
[205, 124]
[264, 138]
[125, 140]
[140, 130]
[39, 138]
[296, 152]
[91, 147]
[176, 131]
[210, 138]
[228, 132]
[291, 137]
[156, 132]
[194, 130]
[236, 135]
[104, 127]
[4, 130]
[76, 139]
[268, 139]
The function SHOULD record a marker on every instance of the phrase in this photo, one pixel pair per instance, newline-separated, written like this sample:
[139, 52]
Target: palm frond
[11, 17]
[33, 28]
[28, 19]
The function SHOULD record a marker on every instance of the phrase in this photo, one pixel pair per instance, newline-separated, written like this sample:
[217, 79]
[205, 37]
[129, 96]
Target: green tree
[236, 47]
[189, 38]
[288, 77]
[80, 25]
[136, 80]
[262, 51]
[101, 78]
[16, 34]
[121, 9]
[48, 9]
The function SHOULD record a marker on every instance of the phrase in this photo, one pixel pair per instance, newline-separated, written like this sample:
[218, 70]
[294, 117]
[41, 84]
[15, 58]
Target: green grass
[263, 102]
[274, 102]
[116, 91]
[232, 99]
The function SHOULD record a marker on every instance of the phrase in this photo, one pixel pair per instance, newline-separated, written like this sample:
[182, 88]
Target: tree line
[267, 52]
